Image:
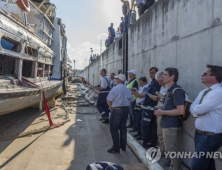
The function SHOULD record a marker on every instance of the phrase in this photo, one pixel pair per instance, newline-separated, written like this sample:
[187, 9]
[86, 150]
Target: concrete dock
[81, 141]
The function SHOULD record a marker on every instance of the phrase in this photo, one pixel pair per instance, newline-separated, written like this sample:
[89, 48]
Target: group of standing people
[142, 6]
[156, 110]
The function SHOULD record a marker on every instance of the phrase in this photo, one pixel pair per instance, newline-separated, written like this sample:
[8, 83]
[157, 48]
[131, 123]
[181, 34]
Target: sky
[87, 22]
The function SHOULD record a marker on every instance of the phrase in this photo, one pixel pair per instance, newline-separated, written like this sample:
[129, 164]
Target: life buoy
[23, 5]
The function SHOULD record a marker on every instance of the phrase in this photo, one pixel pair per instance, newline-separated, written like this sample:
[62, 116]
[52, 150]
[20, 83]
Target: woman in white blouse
[118, 33]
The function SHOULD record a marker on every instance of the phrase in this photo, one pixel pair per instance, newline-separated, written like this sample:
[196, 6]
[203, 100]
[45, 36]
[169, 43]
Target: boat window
[28, 69]
[11, 45]
[31, 51]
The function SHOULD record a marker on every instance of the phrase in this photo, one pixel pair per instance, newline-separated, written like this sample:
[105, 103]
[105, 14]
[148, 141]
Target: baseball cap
[132, 71]
[121, 77]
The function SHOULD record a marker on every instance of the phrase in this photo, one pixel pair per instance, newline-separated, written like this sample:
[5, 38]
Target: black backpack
[188, 102]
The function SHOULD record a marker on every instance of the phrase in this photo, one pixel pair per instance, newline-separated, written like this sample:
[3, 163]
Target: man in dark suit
[148, 121]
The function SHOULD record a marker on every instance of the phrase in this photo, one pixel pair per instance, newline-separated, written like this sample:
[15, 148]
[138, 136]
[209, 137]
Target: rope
[31, 132]
[49, 127]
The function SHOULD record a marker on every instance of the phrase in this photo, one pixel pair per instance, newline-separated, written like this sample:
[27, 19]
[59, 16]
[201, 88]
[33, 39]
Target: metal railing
[34, 20]
[12, 10]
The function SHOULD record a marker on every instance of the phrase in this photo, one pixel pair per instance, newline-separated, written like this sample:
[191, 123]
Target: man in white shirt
[119, 100]
[104, 88]
[207, 108]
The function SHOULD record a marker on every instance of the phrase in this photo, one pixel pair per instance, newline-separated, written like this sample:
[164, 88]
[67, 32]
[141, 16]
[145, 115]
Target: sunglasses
[204, 74]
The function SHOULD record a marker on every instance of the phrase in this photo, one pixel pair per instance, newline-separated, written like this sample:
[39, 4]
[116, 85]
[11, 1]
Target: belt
[104, 92]
[124, 107]
[207, 133]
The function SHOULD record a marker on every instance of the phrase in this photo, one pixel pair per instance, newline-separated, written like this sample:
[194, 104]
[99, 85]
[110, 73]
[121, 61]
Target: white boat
[33, 53]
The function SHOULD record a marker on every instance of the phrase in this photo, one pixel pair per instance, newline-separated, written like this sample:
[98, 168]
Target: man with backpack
[171, 113]
[104, 88]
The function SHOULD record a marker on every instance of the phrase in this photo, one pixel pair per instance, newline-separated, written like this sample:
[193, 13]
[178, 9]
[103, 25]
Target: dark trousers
[118, 120]
[146, 6]
[111, 39]
[102, 105]
[138, 114]
[149, 127]
[132, 114]
[205, 143]
[126, 22]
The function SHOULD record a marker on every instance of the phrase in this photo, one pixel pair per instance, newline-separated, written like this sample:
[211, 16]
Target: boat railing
[35, 21]
[42, 25]
[13, 11]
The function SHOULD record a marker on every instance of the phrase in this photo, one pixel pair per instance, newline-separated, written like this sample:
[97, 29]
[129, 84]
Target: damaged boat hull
[26, 97]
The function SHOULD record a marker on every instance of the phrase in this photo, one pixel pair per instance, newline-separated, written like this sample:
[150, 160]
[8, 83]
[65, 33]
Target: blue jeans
[126, 22]
[205, 143]
[111, 39]
[117, 123]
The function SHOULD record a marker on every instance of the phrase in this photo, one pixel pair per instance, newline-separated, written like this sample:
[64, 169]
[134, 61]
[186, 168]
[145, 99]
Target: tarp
[104, 166]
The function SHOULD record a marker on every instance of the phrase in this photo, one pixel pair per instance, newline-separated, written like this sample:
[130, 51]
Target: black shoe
[153, 144]
[144, 145]
[129, 126]
[136, 135]
[133, 130]
[167, 162]
[103, 119]
[123, 149]
[106, 121]
[139, 138]
[111, 150]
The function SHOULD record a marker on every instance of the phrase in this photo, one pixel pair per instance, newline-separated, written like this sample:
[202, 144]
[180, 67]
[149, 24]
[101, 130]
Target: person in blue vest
[112, 34]
[104, 88]
[148, 121]
[132, 84]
